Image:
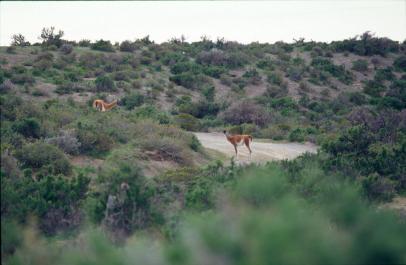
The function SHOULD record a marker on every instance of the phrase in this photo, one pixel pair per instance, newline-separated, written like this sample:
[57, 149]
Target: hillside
[156, 168]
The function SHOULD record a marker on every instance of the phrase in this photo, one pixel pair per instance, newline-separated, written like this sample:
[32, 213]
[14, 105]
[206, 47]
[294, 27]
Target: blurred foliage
[67, 169]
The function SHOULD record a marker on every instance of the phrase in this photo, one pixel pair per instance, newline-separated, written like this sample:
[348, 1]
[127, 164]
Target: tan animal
[239, 139]
[100, 105]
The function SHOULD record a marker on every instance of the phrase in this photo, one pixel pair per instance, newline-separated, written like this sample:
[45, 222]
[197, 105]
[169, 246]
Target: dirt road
[262, 151]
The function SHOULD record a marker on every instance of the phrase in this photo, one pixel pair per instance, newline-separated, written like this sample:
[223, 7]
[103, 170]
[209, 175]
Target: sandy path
[261, 151]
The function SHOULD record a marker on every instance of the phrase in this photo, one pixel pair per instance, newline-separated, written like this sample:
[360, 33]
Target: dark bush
[93, 141]
[19, 40]
[366, 45]
[338, 72]
[66, 141]
[187, 122]
[11, 49]
[29, 127]
[104, 83]
[384, 74]
[400, 63]
[22, 79]
[133, 100]
[127, 46]
[54, 200]
[84, 43]
[102, 45]
[374, 88]
[66, 48]
[50, 38]
[68, 88]
[6, 86]
[360, 65]
[46, 157]
[188, 80]
[252, 76]
[246, 112]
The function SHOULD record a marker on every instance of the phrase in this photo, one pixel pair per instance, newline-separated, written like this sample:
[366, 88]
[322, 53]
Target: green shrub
[84, 43]
[374, 88]
[23, 79]
[133, 100]
[266, 64]
[29, 127]
[127, 46]
[102, 45]
[151, 112]
[295, 73]
[275, 78]
[93, 141]
[55, 200]
[125, 194]
[384, 74]
[51, 39]
[400, 63]
[68, 88]
[360, 65]
[366, 45]
[246, 112]
[338, 72]
[66, 48]
[297, 135]
[187, 122]
[378, 188]
[104, 83]
[214, 71]
[43, 156]
[11, 50]
[11, 236]
[252, 76]
[188, 80]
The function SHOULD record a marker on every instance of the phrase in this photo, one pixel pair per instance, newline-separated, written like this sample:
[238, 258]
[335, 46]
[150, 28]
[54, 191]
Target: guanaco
[101, 105]
[239, 139]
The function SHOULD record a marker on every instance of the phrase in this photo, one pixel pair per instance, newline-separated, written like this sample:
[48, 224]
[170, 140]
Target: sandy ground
[261, 151]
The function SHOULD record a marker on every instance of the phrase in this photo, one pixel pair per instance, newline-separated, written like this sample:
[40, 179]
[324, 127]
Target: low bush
[66, 141]
[374, 88]
[54, 200]
[132, 100]
[187, 122]
[252, 76]
[338, 72]
[275, 78]
[66, 48]
[44, 157]
[400, 63]
[360, 65]
[104, 83]
[93, 141]
[28, 127]
[127, 46]
[102, 45]
[246, 112]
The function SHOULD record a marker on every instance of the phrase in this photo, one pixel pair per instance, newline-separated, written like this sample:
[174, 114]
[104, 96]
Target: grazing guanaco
[239, 139]
[101, 105]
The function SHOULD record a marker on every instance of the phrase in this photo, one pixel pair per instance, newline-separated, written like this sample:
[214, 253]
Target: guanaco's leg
[247, 144]
[235, 147]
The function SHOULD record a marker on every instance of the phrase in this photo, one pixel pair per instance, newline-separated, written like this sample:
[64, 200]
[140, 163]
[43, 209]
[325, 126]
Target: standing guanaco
[239, 139]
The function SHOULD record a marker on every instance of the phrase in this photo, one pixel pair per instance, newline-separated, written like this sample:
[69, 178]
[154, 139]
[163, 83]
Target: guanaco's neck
[112, 104]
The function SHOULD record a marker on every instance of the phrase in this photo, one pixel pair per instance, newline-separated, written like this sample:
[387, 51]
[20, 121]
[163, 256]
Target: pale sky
[242, 21]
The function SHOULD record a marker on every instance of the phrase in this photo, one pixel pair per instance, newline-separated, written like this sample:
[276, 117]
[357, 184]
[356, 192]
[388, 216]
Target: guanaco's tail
[249, 136]
[94, 103]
